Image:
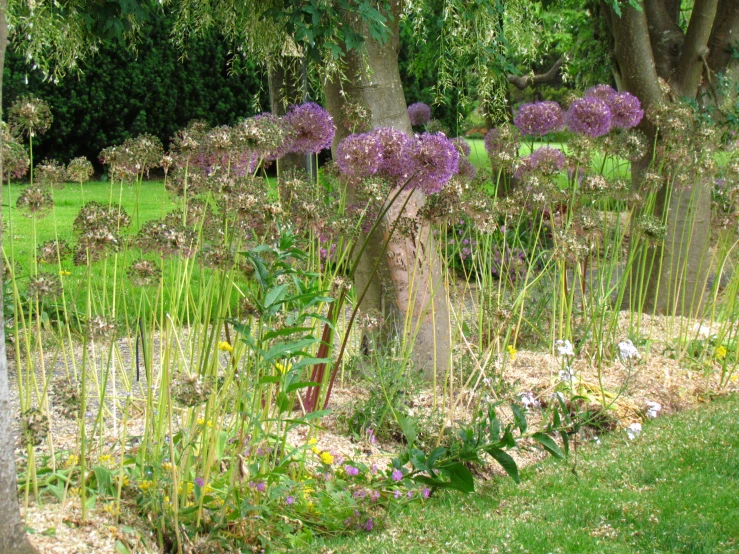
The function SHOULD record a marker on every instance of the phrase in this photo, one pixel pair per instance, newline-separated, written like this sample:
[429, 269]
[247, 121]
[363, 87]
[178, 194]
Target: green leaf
[275, 295]
[505, 461]
[460, 477]
[549, 445]
[408, 427]
[288, 348]
[121, 548]
[520, 418]
[269, 379]
[300, 385]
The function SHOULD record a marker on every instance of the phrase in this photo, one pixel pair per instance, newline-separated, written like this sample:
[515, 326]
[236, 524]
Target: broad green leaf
[549, 445]
[505, 461]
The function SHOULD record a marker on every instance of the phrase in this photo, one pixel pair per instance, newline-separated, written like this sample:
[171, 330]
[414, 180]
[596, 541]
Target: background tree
[664, 54]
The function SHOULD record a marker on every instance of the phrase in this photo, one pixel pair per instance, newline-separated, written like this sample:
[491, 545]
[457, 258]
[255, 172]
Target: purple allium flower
[369, 524]
[437, 161]
[539, 118]
[466, 171]
[419, 113]
[200, 482]
[548, 160]
[397, 475]
[261, 486]
[290, 500]
[397, 147]
[425, 492]
[603, 92]
[359, 155]
[589, 116]
[312, 127]
[351, 470]
[626, 110]
[462, 146]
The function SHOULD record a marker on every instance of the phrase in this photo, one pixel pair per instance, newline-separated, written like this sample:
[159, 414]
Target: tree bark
[13, 538]
[410, 282]
[524, 81]
[285, 81]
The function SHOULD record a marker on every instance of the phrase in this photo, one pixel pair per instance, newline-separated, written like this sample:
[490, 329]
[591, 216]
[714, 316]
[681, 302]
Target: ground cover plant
[193, 343]
[673, 489]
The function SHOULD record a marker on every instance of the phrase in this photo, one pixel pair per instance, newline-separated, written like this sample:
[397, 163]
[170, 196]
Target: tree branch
[665, 36]
[725, 32]
[687, 77]
[633, 52]
[525, 81]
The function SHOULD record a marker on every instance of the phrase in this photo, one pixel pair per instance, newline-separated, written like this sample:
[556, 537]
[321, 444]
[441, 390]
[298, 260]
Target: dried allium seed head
[100, 329]
[53, 251]
[190, 390]
[30, 116]
[216, 257]
[144, 273]
[35, 427]
[80, 170]
[502, 145]
[651, 228]
[169, 240]
[44, 285]
[35, 201]
[66, 394]
[51, 173]
[356, 116]
[15, 157]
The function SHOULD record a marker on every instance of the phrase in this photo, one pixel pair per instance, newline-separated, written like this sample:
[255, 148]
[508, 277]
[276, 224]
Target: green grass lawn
[674, 489]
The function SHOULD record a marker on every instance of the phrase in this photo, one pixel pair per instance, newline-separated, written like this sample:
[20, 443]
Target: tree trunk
[410, 281]
[286, 87]
[649, 46]
[12, 534]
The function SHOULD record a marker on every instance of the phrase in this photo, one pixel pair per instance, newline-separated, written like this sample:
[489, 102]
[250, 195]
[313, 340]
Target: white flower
[566, 375]
[627, 350]
[528, 400]
[564, 348]
[653, 409]
[633, 430]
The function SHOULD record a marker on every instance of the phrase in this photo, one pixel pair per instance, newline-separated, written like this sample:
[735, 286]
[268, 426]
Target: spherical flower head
[419, 113]
[225, 346]
[397, 147]
[425, 492]
[602, 92]
[313, 128]
[327, 458]
[263, 133]
[30, 116]
[352, 471]
[369, 525]
[547, 160]
[80, 170]
[467, 171]
[359, 155]
[261, 486]
[627, 350]
[626, 110]
[200, 482]
[502, 144]
[539, 118]
[436, 159]
[462, 146]
[589, 116]
[290, 500]
[397, 475]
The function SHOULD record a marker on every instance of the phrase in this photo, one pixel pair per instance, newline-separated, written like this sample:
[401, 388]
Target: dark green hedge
[121, 93]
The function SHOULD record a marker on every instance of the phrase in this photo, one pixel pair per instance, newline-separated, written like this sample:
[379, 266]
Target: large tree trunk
[12, 534]
[287, 87]
[410, 281]
[648, 46]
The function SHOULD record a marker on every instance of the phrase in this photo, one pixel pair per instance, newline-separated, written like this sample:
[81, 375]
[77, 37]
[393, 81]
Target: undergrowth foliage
[195, 353]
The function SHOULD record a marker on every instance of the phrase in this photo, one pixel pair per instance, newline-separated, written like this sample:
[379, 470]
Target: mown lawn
[675, 489]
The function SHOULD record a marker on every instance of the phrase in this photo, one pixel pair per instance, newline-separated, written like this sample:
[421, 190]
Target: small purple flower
[312, 127]
[437, 161]
[396, 494]
[200, 482]
[373, 469]
[374, 495]
[351, 470]
[626, 110]
[360, 493]
[369, 524]
[397, 475]
[290, 500]
[371, 436]
[539, 118]
[359, 155]
[589, 116]
[410, 494]
[425, 492]
[261, 486]
[419, 113]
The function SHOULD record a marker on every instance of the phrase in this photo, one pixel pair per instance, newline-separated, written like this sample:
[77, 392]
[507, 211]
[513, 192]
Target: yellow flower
[146, 485]
[283, 369]
[721, 352]
[105, 459]
[73, 460]
[166, 466]
[316, 450]
[327, 458]
[224, 346]
[511, 352]
[190, 489]
[312, 441]
[111, 509]
[64, 273]
[200, 421]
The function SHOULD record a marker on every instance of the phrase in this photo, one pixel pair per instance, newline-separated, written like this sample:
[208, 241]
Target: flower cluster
[589, 116]
[419, 113]
[51, 173]
[436, 160]
[312, 127]
[539, 118]
[502, 145]
[80, 170]
[30, 116]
